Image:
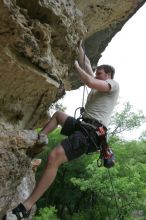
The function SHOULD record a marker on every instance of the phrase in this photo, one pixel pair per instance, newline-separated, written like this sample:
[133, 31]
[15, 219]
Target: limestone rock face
[38, 41]
[15, 165]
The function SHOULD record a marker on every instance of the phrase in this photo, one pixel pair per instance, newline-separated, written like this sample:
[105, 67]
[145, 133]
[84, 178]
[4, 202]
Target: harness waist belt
[94, 122]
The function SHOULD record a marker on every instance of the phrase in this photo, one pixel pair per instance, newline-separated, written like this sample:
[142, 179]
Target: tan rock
[38, 49]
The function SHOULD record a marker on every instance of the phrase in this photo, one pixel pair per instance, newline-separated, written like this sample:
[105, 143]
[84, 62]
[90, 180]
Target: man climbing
[100, 103]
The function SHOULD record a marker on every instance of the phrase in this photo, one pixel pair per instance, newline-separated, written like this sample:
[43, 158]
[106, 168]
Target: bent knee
[60, 117]
[57, 157]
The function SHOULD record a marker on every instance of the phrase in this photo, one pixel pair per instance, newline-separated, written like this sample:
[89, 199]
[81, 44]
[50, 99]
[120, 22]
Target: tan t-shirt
[100, 105]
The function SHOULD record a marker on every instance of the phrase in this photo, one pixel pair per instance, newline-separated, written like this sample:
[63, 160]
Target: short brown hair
[108, 69]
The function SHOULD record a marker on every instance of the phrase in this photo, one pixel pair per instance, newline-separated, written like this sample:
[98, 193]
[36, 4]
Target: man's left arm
[90, 81]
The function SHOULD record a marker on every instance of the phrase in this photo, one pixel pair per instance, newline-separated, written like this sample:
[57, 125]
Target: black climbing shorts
[77, 142]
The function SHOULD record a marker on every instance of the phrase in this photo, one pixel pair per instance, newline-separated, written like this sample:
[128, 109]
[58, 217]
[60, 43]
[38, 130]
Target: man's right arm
[84, 60]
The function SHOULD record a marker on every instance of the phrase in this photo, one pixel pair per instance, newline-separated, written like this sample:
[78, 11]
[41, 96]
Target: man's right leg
[55, 159]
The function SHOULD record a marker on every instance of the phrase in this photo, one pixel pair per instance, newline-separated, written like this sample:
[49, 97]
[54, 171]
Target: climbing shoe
[42, 139]
[17, 213]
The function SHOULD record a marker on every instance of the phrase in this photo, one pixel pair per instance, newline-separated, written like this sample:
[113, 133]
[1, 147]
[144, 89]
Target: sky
[127, 53]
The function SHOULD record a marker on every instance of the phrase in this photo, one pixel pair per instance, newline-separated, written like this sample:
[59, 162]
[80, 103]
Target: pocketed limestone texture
[38, 42]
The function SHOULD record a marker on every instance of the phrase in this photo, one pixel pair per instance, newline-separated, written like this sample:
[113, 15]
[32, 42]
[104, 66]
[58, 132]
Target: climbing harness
[106, 155]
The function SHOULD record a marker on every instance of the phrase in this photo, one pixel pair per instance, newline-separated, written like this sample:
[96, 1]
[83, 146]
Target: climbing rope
[84, 67]
[83, 96]
[115, 197]
[84, 87]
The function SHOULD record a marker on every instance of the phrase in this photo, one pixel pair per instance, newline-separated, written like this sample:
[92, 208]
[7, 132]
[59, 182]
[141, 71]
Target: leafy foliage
[143, 136]
[47, 213]
[119, 190]
[125, 120]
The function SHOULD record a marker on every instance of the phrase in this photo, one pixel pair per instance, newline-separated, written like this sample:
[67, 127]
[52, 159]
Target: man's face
[101, 74]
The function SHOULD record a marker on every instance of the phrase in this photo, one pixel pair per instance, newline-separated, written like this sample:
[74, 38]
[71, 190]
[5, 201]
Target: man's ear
[109, 75]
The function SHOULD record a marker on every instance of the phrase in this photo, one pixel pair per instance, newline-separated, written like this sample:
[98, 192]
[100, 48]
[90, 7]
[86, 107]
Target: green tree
[47, 213]
[143, 136]
[125, 120]
[117, 192]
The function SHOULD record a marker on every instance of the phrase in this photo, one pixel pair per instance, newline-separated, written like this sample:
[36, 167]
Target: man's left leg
[58, 118]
